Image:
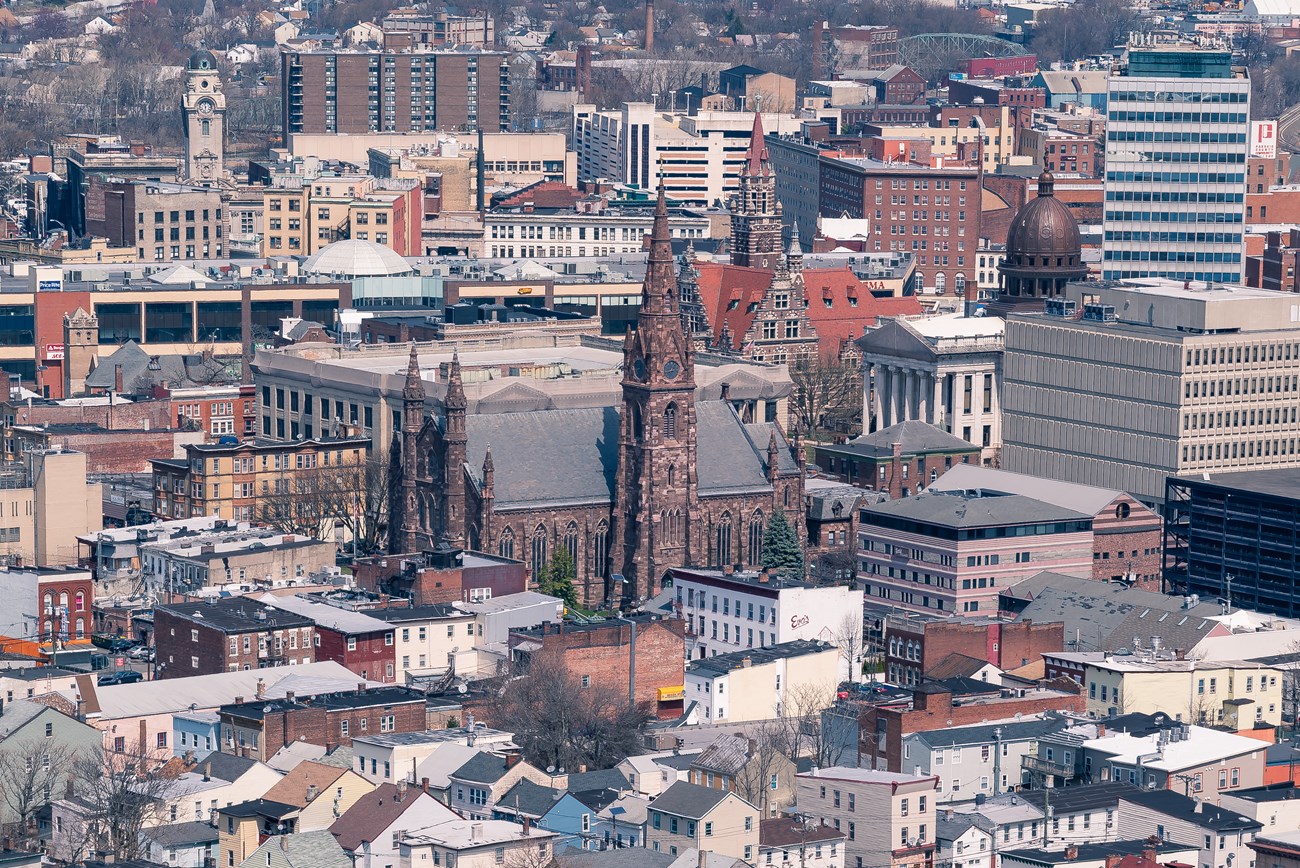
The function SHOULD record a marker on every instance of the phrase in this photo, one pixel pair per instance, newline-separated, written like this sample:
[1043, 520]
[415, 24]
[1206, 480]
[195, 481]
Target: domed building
[1043, 251]
[353, 257]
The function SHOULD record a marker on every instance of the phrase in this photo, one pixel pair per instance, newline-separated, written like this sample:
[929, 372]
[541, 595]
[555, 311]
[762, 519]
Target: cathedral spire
[756, 162]
[659, 293]
[455, 389]
[773, 457]
[413, 390]
[794, 254]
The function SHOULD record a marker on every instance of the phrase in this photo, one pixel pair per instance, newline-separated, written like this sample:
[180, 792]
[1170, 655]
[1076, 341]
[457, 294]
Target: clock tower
[656, 509]
[203, 106]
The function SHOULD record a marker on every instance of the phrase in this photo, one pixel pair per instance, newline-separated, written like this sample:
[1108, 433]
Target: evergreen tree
[781, 549]
[558, 576]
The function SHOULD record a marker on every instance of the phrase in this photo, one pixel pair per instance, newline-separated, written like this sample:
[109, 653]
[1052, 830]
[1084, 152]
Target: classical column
[900, 398]
[995, 415]
[936, 410]
[923, 390]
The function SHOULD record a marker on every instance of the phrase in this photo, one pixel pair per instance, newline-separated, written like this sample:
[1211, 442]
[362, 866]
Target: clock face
[672, 370]
[638, 369]
[205, 107]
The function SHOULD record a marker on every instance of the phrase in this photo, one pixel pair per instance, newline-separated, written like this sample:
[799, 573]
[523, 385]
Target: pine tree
[558, 576]
[781, 549]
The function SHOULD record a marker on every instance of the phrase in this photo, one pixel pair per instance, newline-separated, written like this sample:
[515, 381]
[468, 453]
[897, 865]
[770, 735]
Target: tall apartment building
[1156, 379]
[162, 222]
[699, 156]
[1177, 127]
[257, 478]
[927, 207]
[347, 91]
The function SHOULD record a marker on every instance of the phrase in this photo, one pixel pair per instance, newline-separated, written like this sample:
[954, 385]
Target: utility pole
[997, 760]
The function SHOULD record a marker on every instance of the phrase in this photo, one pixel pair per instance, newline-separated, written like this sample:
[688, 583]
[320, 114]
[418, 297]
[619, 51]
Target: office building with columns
[943, 370]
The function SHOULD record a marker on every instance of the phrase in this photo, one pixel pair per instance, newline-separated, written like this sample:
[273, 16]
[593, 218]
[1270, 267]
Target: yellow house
[321, 793]
[763, 683]
[1236, 694]
[687, 816]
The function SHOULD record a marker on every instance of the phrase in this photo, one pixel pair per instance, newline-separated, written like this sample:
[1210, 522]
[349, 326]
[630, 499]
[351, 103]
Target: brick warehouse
[934, 706]
[601, 652]
[915, 643]
[228, 635]
[260, 728]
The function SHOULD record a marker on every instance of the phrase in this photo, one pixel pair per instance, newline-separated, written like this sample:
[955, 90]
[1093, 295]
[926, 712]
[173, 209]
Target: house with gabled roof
[371, 830]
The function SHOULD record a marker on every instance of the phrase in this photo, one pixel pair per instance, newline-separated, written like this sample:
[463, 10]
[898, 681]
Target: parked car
[141, 652]
[125, 676]
[113, 643]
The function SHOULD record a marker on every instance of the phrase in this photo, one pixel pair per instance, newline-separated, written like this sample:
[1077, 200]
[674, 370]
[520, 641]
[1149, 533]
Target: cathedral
[663, 480]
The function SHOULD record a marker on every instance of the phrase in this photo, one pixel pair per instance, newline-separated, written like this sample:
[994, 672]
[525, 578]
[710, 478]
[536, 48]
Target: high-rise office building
[1177, 129]
[338, 91]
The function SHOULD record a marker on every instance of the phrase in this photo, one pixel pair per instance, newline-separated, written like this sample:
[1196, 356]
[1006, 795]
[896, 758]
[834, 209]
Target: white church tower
[204, 108]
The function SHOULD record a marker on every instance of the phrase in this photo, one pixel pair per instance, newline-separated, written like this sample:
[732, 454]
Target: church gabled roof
[580, 451]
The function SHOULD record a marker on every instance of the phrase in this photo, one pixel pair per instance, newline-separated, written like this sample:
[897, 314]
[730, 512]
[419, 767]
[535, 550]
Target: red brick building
[226, 635]
[260, 728]
[914, 644]
[601, 655]
[899, 85]
[354, 639]
[881, 728]
[441, 576]
[900, 459]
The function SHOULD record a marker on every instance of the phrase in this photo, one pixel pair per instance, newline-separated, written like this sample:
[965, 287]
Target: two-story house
[1223, 836]
[888, 818]
[477, 844]
[478, 784]
[320, 793]
[757, 772]
[687, 816]
[787, 842]
[228, 634]
[371, 831]
[982, 760]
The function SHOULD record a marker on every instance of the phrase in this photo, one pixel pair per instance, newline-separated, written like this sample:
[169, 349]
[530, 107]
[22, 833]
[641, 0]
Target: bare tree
[116, 795]
[769, 756]
[30, 773]
[848, 638]
[560, 723]
[314, 501]
[827, 395]
[806, 732]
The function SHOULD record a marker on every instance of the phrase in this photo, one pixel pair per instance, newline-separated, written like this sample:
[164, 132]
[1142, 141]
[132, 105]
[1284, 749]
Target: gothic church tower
[755, 211]
[656, 504]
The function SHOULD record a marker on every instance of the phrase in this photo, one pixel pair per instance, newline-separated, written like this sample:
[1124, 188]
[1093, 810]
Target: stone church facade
[662, 481]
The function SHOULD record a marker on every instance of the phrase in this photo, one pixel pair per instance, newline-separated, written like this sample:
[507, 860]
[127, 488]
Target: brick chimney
[512, 760]
[1071, 853]
[1113, 859]
[424, 785]
[1149, 853]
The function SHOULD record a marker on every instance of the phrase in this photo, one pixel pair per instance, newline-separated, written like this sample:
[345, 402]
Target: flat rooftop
[1282, 482]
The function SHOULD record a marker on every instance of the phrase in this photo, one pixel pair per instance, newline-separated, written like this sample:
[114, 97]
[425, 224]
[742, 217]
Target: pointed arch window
[722, 540]
[670, 422]
[600, 548]
[756, 537]
[672, 474]
[571, 543]
[506, 545]
[538, 560]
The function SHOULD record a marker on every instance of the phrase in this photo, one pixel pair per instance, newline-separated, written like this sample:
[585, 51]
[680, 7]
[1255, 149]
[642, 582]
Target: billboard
[1263, 139]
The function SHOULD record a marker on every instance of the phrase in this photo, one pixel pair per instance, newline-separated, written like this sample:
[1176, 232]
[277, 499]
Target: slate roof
[485, 768]
[581, 449]
[946, 829]
[983, 733]
[18, 714]
[956, 665]
[303, 850]
[1182, 807]
[236, 615]
[728, 754]
[688, 800]
[1096, 611]
[371, 814]
[956, 511]
[182, 834]
[225, 766]
[178, 370]
[600, 779]
[528, 799]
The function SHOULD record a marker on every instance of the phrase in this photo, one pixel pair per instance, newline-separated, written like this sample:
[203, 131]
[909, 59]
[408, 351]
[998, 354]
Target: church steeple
[755, 211]
[403, 505]
[656, 508]
[455, 438]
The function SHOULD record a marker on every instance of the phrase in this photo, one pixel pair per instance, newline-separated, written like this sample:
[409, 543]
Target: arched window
[49, 604]
[63, 599]
[506, 545]
[959, 284]
[539, 550]
[48, 631]
[672, 474]
[672, 520]
[670, 422]
[940, 283]
[571, 543]
[81, 601]
[600, 549]
[81, 629]
[756, 537]
[638, 433]
[722, 540]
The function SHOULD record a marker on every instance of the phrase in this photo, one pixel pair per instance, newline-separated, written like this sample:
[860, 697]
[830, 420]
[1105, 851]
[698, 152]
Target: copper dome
[1044, 232]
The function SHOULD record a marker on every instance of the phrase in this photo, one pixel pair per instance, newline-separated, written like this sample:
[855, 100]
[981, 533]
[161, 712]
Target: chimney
[312, 792]
[512, 760]
[239, 700]
[260, 692]
[701, 858]
[361, 687]
[1149, 853]
[1113, 859]
[1071, 853]
[401, 790]
[288, 696]
[649, 26]
[475, 831]
[117, 379]
[424, 785]
[726, 391]
[207, 771]
[69, 790]
[746, 663]
[528, 827]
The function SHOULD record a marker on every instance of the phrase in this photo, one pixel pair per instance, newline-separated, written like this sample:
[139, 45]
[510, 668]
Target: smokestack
[246, 332]
[649, 26]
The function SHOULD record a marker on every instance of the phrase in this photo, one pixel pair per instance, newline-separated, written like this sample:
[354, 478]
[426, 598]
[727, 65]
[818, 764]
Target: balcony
[1038, 765]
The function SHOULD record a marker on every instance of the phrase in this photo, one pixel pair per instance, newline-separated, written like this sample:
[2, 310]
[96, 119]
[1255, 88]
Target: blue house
[195, 732]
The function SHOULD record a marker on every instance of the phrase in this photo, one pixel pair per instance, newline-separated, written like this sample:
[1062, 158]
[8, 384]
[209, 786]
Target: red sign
[53, 352]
